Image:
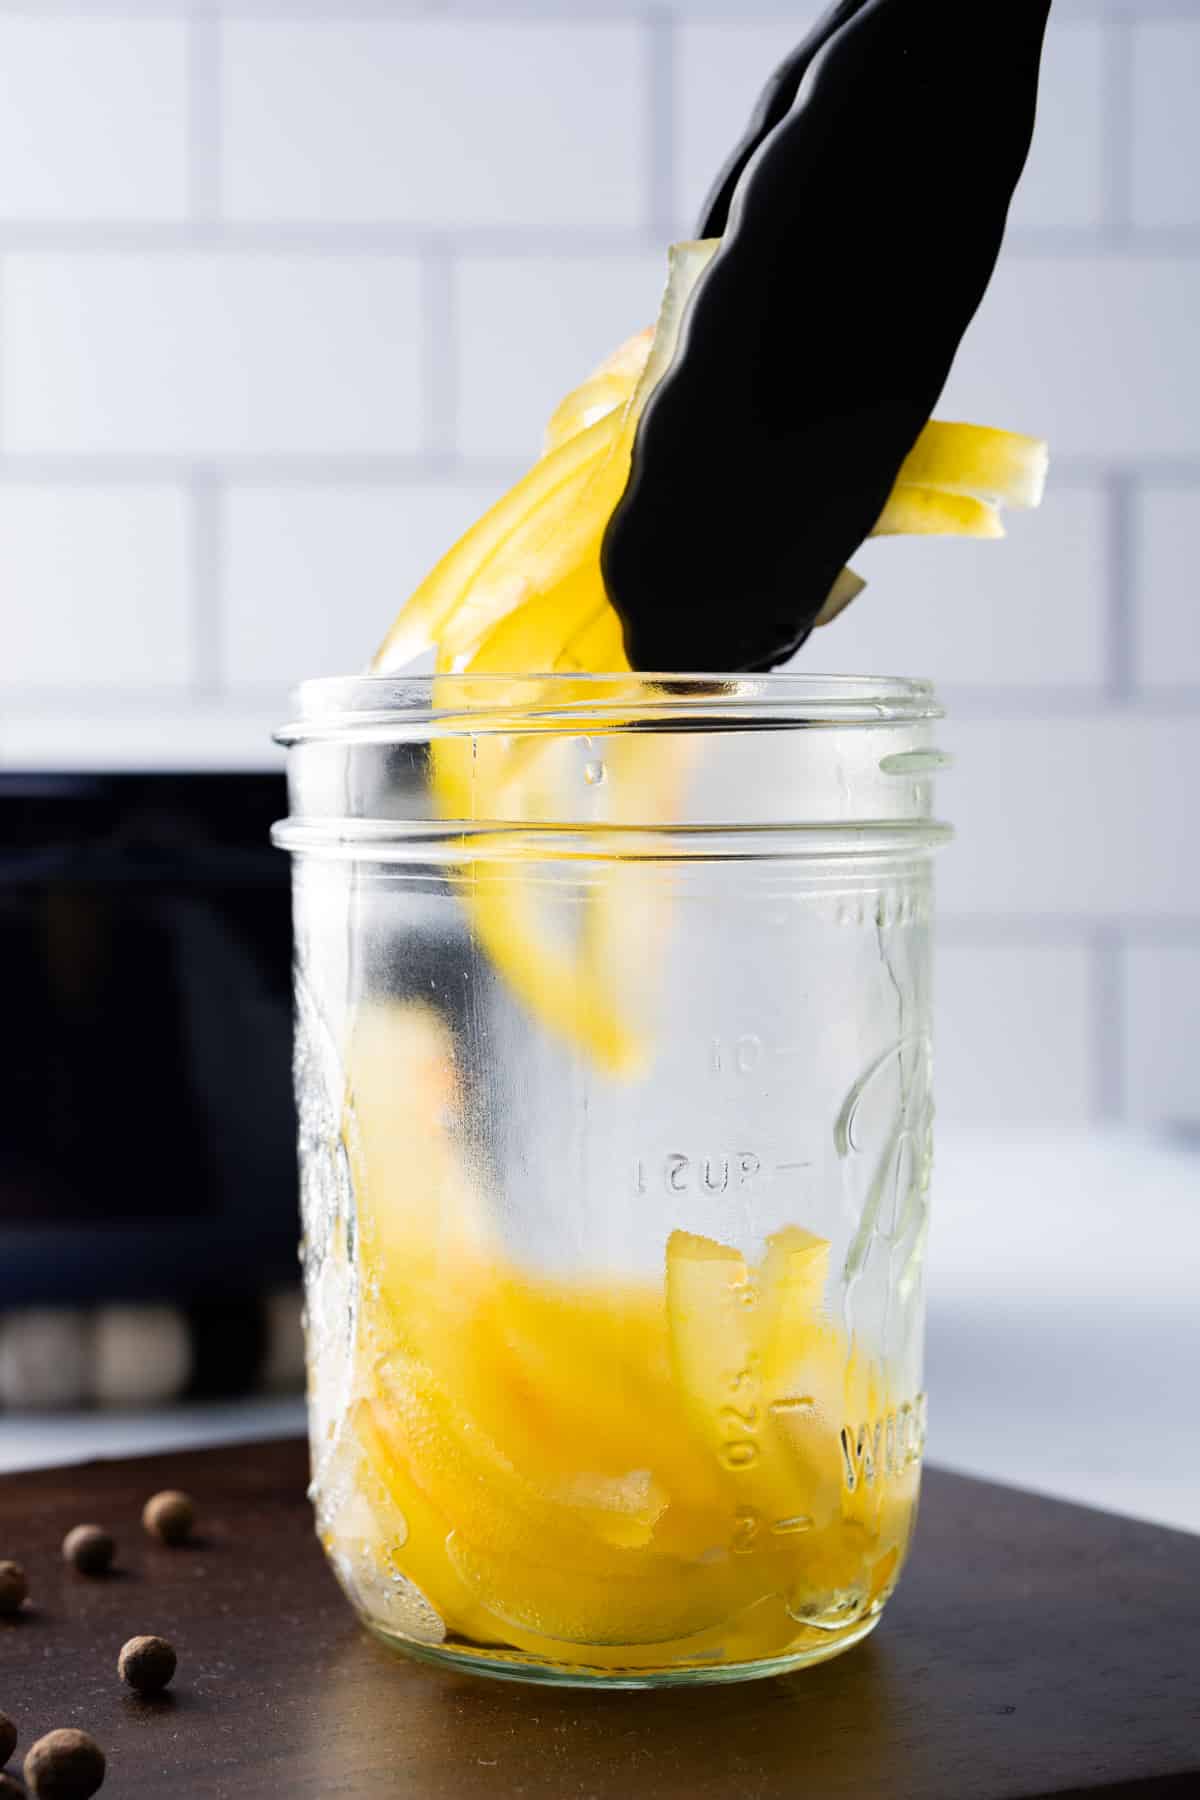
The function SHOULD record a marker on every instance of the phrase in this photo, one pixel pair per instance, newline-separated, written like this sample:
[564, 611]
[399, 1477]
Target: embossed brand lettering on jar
[883, 1448]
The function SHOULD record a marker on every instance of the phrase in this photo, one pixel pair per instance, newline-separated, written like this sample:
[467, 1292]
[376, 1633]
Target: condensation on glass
[613, 1069]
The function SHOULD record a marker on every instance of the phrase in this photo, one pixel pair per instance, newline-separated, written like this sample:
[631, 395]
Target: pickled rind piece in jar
[596, 1472]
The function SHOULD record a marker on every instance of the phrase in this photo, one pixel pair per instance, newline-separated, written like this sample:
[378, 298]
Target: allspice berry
[169, 1516]
[14, 1589]
[8, 1738]
[65, 1765]
[90, 1549]
[146, 1664]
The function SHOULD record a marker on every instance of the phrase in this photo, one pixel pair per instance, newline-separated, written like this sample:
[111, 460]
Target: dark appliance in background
[147, 1126]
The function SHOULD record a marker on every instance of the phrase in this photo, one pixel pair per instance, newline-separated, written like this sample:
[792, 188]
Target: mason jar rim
[397, 706]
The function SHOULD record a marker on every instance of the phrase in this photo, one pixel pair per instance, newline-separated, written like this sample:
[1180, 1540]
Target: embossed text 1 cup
[613, 1068]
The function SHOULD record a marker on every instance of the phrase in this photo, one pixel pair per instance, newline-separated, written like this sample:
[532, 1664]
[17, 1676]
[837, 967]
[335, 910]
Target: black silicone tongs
[772, 105]
[861, 218]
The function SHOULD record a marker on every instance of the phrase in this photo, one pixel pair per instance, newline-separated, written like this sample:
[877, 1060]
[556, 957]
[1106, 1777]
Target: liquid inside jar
[625, 1476]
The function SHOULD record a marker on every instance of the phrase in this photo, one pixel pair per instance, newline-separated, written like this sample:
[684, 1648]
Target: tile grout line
[439, 363]
[1108, 1024]
[1118, 138]
[967, 930]
[1121, 578]
[284, 468]
[206, 230]
[313, 237]
[204, 135]
[661, 99]
[206, 490]
[1107, 239]
[506, 11]
[303, 465]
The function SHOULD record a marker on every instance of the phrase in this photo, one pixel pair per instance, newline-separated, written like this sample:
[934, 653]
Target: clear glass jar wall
[613, 1068]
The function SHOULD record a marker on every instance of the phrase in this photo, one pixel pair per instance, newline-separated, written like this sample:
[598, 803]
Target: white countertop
[1064, 1317]
[1064, 1330]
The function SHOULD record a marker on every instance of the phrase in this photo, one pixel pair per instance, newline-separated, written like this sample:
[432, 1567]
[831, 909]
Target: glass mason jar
[613, 1070]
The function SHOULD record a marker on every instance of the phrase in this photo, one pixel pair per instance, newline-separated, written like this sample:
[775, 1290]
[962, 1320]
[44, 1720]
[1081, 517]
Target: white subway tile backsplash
[723, 11]
[187, 353]
[94, 120]
[444, 125]
[1166, 123]
[108, 10]
[1030, 612]
[1076, 815]
[1092, 351]
[1013, 1034]
[1168, 587]
[1161, 1005]
[96, 585]
[314, 575]
[414, 224]
[531, 328]
[1064, 181]
[721, 69]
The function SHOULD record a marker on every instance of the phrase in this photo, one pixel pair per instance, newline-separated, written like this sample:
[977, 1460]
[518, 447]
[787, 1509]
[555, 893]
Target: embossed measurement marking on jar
[743, 1446]
[739, 1420]
[718, 1173]
[794, 1406]
[744, 1054]
[750, 1525]
[723, 1172]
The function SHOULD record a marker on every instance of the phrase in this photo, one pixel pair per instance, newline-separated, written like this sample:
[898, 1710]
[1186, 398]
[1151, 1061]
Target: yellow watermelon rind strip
[522, 593]
[932, 512]
[978, 460]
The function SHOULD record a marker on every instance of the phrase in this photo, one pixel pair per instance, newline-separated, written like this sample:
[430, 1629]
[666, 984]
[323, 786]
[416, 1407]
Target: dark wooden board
[1033, 1649]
